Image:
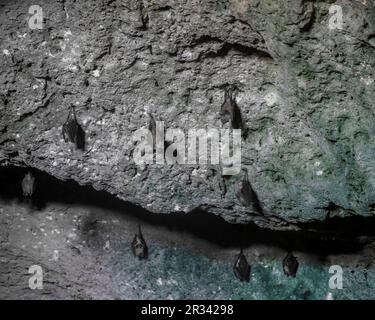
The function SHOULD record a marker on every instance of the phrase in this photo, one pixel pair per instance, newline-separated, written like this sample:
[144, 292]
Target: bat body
[73, 132]
[229, 110]
[247, 196]
[290, 265]
[139, 246]
[241, 268]
[28, 185]
[245, 193]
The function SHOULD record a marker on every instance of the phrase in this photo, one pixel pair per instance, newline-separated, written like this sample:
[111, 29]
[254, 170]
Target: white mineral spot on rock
[276, 271]
[302, 83]
[319, 173]
[63, 47]
[329, 296]
[368, 81]
[194, 172]
[6, 52]
[271, 99]
[55, 255]
[96, 73]
[35, 86]
[186, 209]
[172, 281]
[67, 33]
[187, 54]
[73, 68]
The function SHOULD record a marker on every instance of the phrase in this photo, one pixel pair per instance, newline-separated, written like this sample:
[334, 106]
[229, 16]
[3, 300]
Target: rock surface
[84, 252]
[305, 92]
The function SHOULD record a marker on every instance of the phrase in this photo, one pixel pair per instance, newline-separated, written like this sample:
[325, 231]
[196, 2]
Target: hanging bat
[246, 194]
[73, 132]
[241, 268]
[139, 246]
[290, 265]
[28, 185]
[230, 111]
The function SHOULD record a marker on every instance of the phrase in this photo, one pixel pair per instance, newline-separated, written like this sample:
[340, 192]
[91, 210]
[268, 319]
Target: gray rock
[305, 93]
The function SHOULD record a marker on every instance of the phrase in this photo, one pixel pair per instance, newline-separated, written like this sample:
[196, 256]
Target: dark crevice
[162, 9]
[44, 104]
[335, 236]
[227, 47]
[244, 50]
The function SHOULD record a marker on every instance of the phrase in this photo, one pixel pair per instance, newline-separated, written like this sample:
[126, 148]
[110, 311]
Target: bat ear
[72, 111]
[69, 114]
[246, 174]
[230, 91]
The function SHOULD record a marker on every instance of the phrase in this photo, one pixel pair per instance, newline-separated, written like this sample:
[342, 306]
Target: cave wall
[305, 92]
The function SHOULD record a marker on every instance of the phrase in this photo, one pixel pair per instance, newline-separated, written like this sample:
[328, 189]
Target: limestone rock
[305, 91]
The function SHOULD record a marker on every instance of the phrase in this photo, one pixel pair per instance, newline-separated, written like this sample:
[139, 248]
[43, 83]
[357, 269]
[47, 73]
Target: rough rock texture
[305, 93]
[84, 252]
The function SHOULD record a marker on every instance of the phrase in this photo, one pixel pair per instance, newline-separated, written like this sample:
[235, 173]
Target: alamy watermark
[336, 281]
[336, 17]
[37, 18]
[199, 146]
[36, 280]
